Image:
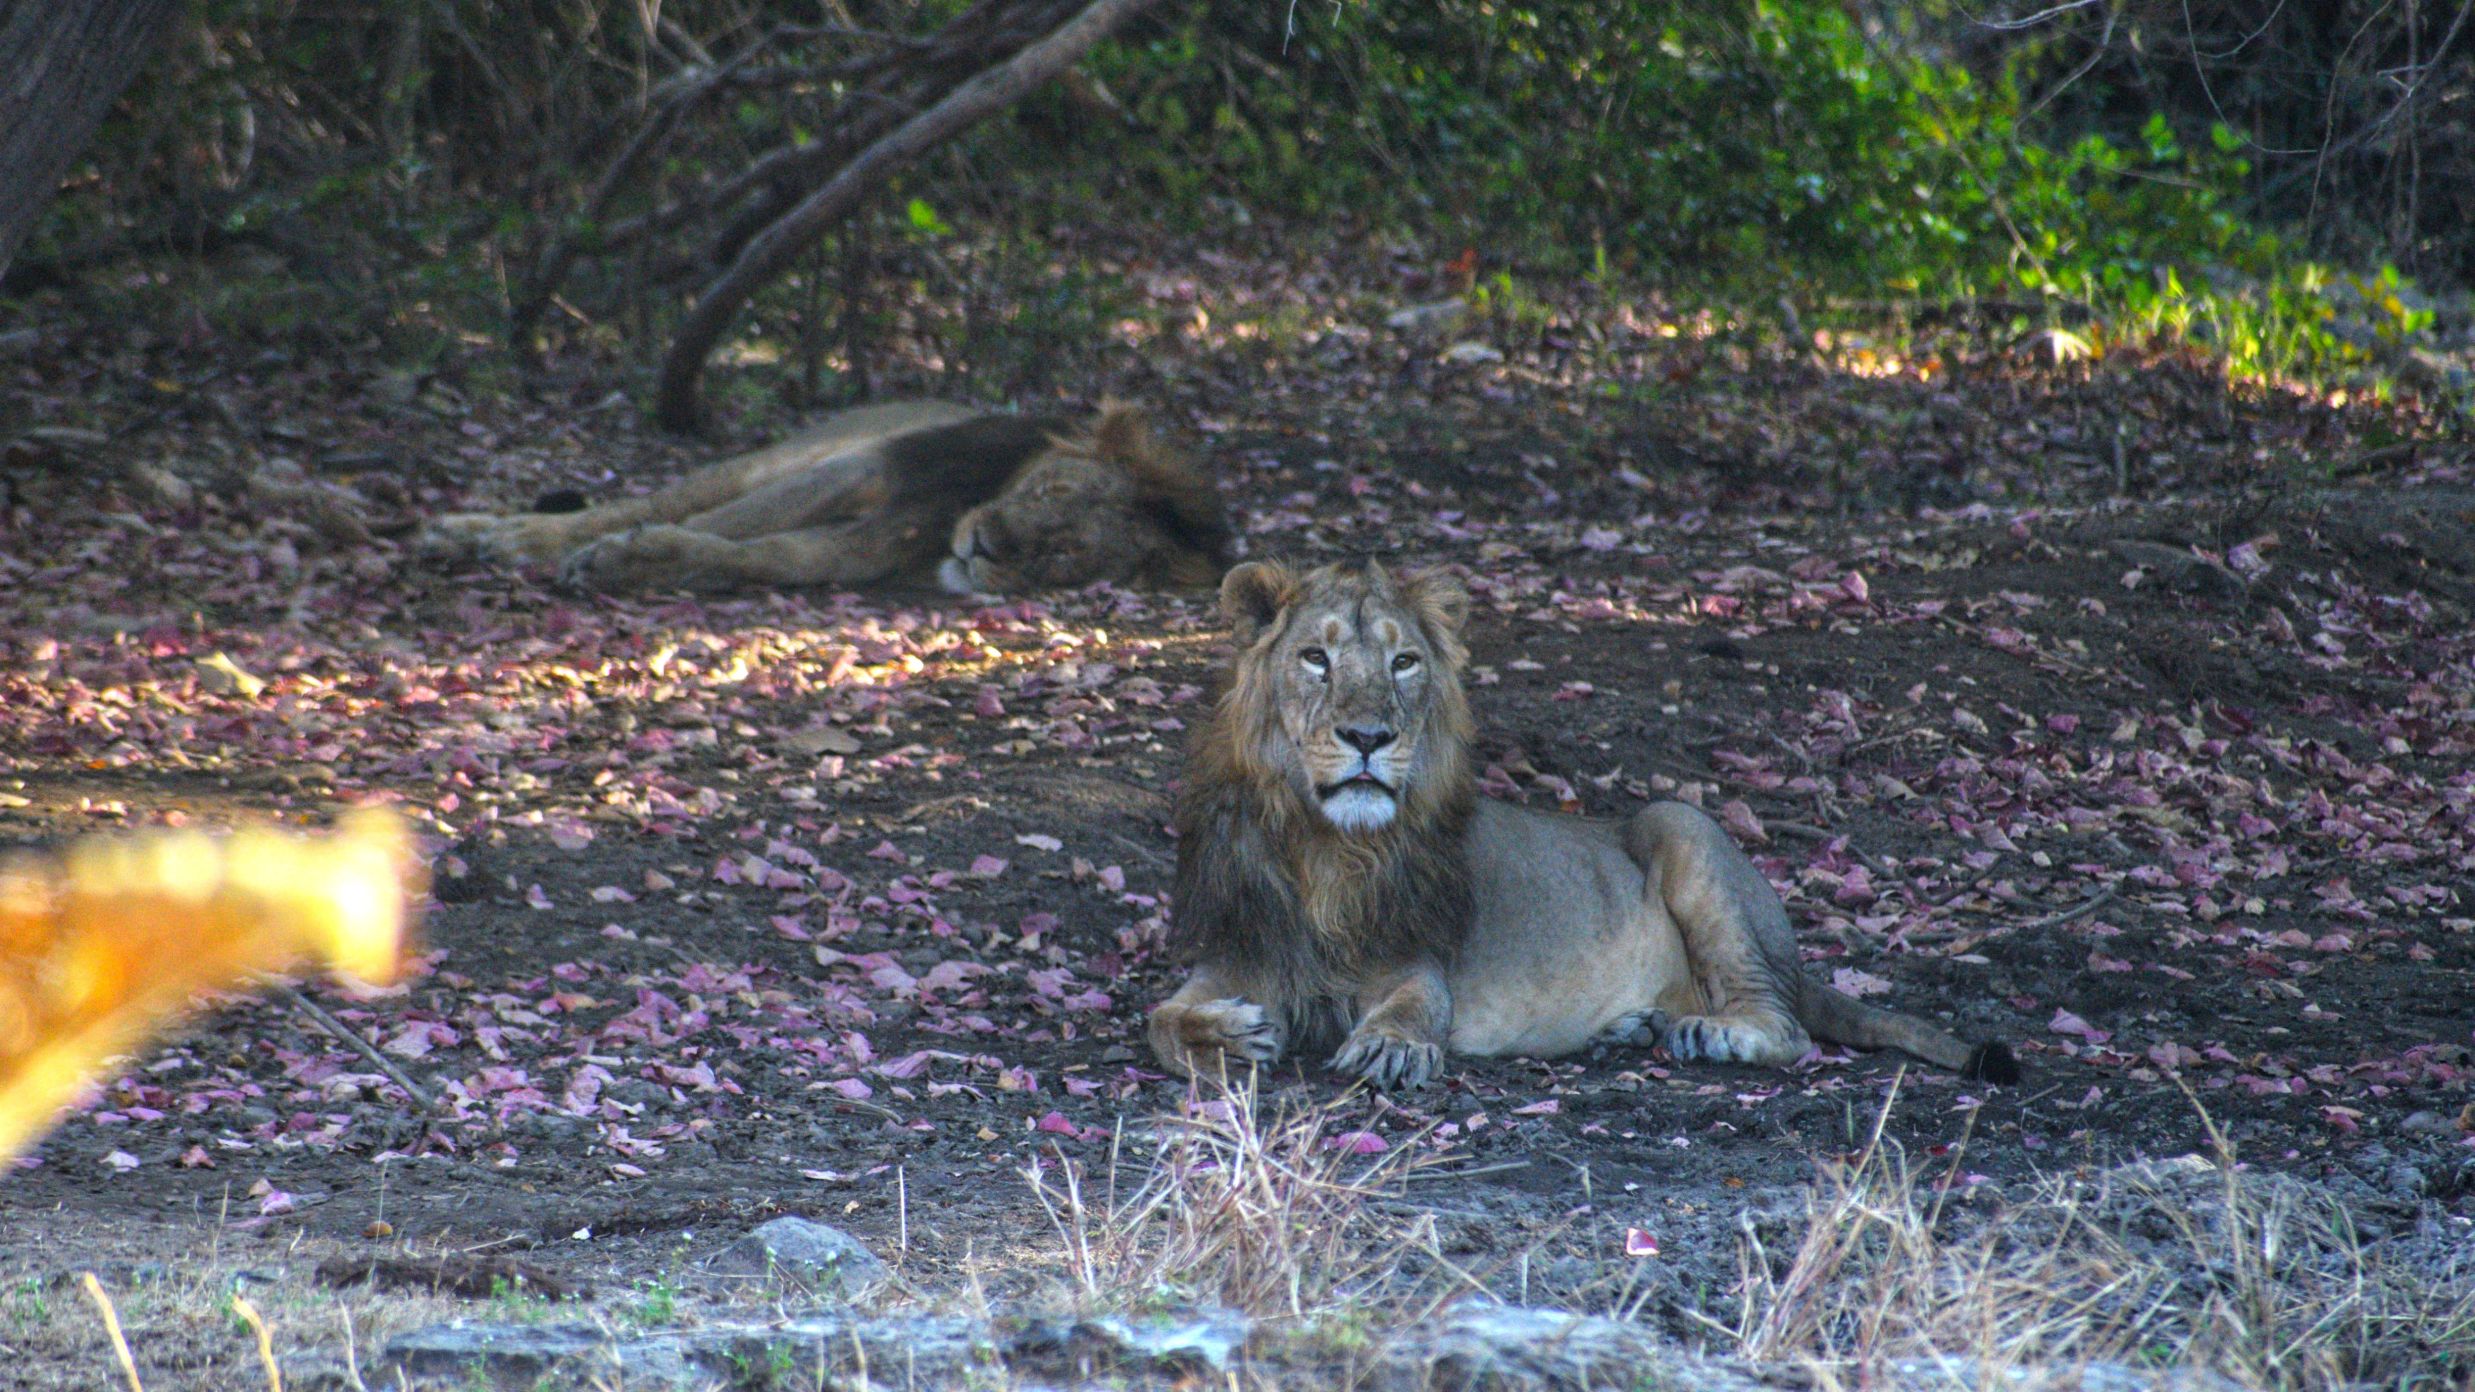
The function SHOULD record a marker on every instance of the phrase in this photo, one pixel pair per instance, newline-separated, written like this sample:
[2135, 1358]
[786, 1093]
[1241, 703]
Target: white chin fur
[1359, 809]
[955, 577]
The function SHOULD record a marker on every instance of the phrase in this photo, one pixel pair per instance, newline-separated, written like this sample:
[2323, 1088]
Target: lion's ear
[1439, 597]
[1252, 596]
[1122, 431]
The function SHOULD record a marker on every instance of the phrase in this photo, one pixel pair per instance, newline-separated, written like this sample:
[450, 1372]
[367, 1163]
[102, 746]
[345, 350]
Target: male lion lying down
[917, 493]
[1340, 881]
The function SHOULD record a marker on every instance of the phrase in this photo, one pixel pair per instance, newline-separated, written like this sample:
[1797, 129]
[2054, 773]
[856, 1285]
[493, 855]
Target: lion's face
[1067, 520]
[1355, 678]
[1114, 506]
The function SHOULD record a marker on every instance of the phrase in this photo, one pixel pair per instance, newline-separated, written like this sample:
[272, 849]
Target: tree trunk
[766, 254]
[62, 64]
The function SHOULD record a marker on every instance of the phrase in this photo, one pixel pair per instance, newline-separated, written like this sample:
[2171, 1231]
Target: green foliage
[383, 178]
[657, 1303]
[1734, 150]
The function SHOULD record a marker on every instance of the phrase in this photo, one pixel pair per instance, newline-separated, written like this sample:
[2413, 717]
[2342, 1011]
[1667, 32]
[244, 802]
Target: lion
[1340, 881]
[917, 493]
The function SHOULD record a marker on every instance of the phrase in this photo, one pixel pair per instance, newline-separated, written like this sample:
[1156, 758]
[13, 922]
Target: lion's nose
[1366, 739]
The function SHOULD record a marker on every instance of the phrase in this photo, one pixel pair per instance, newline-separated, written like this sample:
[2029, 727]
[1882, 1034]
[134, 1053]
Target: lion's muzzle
[1365, 797]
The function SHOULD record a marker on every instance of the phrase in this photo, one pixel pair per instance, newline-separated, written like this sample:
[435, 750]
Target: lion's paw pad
[1389, 1061]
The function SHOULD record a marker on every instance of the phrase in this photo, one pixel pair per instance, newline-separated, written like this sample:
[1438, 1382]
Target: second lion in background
[922, 493]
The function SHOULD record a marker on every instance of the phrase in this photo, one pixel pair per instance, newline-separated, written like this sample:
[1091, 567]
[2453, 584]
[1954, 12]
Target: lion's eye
[1316, 660]
[1406, 662]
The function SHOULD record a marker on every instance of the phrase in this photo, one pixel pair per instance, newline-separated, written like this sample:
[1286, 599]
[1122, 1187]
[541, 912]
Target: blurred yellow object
[113, 937]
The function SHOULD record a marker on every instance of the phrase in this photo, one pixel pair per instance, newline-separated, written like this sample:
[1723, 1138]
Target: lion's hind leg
[668, 557]
[1639, 1029]
[466, 538]
[810, 476]
[1740, 1006]
[1757, 1004]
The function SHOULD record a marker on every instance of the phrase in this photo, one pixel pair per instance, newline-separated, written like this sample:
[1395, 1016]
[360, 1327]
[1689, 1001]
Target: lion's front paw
[1390, 1060]
[644, 558]
[1213, 1037]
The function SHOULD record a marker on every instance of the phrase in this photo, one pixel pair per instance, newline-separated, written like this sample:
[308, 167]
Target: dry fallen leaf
[824, 739]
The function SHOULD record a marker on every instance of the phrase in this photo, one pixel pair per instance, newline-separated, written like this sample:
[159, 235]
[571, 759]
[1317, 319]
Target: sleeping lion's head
[1111, 503]
[1346, 691]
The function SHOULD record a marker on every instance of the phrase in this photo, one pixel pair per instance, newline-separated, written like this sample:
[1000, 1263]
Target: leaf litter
[742, 900]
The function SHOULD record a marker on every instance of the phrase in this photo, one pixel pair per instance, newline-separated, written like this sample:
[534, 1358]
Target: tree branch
[770, 251]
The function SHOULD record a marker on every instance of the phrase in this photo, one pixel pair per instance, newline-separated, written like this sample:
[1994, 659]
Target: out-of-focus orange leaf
[106, 942]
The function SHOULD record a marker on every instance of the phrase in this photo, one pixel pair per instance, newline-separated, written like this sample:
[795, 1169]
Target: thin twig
[1497, 1168]
[2085, 907]
[319, 1016]
[856, 1105]
[1158, 859]
[1814, 833]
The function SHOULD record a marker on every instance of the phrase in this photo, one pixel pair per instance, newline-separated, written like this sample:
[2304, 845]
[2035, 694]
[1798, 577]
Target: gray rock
[1954, 1374]
[1510, 1348]
[1188, 1342]
[921, 1350]
[822, 1262]
[521, 1354]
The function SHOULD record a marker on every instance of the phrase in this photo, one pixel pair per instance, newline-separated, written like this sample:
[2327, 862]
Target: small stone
[1471, 353]
[159, 488]
[1433, 318]
[825, 1262]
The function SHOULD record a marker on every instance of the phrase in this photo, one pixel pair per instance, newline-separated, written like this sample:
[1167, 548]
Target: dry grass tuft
[1284, 1215]
[2172, 1265]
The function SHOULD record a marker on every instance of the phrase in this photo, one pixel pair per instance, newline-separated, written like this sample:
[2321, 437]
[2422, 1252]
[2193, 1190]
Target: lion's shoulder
[952, 466]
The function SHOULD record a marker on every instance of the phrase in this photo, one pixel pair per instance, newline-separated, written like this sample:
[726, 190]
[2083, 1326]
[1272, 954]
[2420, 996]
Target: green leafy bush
[1758, 146]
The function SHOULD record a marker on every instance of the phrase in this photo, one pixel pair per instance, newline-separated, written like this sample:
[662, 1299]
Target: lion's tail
[1843, 1019]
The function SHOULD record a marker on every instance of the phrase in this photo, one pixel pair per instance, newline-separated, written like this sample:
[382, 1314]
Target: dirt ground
[2109, 712]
